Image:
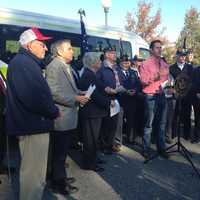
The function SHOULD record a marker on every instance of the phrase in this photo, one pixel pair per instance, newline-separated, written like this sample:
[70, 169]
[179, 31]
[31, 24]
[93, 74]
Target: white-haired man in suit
[66, 96]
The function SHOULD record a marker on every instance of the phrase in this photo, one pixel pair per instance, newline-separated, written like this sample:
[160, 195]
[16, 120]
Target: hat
[109, 48]
[124, 58]
[181, 52]
[30, 35]
[136, 58]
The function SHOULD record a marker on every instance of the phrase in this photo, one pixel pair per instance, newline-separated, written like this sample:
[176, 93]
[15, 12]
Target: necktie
[2, 86]
[127, 74]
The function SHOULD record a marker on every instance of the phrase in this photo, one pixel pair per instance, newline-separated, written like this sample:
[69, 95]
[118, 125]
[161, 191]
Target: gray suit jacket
[63, 90]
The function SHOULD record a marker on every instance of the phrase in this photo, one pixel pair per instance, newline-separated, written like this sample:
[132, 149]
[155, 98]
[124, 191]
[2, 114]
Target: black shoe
[195, 140]
[70, 180]
[168, 140]
[98, 169]
[164, 154]
[71, 189]
[63, 189]
[146, 155]
[100, 161]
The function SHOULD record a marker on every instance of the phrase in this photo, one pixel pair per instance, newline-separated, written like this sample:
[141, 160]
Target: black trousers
[60, 142]
[196, 107]
[185, 117]
[2, 139]
[108, 130]
[90, 134]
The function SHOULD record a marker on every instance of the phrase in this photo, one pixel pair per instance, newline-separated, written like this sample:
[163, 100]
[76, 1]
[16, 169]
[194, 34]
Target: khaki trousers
[34, 153]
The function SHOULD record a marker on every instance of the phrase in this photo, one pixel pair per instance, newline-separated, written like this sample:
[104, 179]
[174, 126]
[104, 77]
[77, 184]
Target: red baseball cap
[32, 34]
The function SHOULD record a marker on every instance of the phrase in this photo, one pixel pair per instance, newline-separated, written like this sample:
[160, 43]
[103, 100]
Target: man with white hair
[30, 111]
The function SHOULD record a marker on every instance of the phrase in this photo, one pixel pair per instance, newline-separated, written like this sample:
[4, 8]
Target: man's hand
[82, 99]
[109, 90]
[120, 89]
[60, 114]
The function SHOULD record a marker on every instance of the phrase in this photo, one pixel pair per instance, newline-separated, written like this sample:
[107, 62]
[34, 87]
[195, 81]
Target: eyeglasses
[40, 43]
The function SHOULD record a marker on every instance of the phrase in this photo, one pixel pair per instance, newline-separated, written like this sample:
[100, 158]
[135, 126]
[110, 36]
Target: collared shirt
[126, 73]
[149, 71]
[113, 67]
[180, 65]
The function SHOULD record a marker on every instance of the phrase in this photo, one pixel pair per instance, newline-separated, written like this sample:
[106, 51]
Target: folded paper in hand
[90, 91]
[115, 109]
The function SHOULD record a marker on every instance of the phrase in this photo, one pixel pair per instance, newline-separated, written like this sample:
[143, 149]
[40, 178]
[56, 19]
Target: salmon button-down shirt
[149, 70]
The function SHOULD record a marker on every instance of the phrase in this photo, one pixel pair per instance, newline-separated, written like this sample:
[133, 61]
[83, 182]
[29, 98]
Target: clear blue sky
[173, 11]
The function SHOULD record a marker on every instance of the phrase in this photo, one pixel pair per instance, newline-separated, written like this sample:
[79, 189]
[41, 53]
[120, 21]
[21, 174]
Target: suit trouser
[109, 126]
[2, 140]
[185, 116]
[90, 134]
[196, 107]
[60, 142]
[170, 115]
[34, 153]
[119, 129]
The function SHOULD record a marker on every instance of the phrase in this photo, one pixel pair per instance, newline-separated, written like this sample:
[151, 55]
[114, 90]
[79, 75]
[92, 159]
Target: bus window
[98, 44]
[12, 46]
[77, 52]
[144, 53]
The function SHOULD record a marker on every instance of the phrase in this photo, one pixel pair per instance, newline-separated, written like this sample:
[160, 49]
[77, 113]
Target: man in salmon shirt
[154, 73]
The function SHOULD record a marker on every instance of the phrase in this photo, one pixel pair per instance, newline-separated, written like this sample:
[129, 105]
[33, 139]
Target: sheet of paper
[115, 109]
[90, 91]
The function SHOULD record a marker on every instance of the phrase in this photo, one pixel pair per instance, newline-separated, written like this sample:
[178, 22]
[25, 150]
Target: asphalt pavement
[126, 177]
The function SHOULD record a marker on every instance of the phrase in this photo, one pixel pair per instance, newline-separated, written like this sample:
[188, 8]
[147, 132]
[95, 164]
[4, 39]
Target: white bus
[14, 22]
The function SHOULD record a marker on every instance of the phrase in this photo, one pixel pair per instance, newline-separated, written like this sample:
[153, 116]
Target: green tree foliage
[191, 31]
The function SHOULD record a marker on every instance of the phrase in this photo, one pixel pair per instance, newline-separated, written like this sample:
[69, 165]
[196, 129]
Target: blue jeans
[155, 115]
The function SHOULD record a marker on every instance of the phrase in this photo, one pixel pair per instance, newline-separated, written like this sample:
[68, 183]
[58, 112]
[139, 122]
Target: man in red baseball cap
[33, 40]
[30, 112]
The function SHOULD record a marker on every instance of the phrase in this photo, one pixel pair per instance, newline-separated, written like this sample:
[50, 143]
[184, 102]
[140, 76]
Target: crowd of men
[96, 102]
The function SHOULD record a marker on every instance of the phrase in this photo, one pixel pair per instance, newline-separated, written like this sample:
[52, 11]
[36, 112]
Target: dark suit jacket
[64, 92]
[2, 97]
[196, 80]
[99, 104]
[175, 70]
[187, 69]
[130, 83]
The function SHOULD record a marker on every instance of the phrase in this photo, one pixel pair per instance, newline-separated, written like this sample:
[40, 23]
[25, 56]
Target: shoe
[195, 140]
[98, 169]
[146, 155]
[63, 189]
[71, 189]
[164, 154]
[70, 180]
[116, 148]
[100, 161]
[168, 140]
